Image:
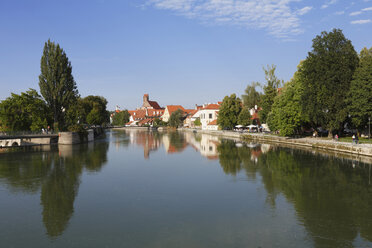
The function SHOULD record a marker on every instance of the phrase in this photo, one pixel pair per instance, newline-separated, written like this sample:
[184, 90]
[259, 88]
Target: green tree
[270, 92]
[327, 73]
[158, 123]
[176, 118]
[244, 117]
[57, 85]
[287, 113]
[121, 118]
[360, 95]
[197, 122]
[23, 112]
[229, 112]
[251, 96]
[95, 112]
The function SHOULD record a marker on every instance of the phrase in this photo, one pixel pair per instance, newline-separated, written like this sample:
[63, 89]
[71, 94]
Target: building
[146, 114]
[169, 109]
[208, 114]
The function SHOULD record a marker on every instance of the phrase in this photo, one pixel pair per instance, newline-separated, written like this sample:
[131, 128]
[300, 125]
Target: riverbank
[312, 143]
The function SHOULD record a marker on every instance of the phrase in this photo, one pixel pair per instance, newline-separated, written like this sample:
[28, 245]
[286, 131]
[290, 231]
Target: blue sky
[179, 51]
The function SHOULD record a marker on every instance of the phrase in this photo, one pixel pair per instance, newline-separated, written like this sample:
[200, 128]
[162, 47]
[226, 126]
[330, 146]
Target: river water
[149, 189]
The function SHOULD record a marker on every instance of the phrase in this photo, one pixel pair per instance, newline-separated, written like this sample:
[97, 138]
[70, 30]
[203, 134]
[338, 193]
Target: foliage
[57, 85]
[23, 112]
[244, 117]
[76, 128]
[95, 112]
[270, 92]
[287, 114]
[229, 112]
[176, 118]
[327, 73]
[121, 118]
[158, 123]
[360, 96]
[197, 122]
[251, 96]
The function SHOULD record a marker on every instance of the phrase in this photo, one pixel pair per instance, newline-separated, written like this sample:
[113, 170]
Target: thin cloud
[367, 9]
[340, 12]
[304, 10]
[361, 21]
[328, 3]
[355, 13]
[275, 16]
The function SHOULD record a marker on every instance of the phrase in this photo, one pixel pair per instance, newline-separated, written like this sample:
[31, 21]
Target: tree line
[331, 87]
[59, 106]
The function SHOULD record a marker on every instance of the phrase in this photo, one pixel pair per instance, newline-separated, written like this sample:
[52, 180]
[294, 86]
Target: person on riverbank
[356, 139]
[353, 137]
[336, 137]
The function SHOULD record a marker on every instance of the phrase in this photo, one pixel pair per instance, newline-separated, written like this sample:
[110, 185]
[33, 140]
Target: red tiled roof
[154, 104]
[138, 114]
[191, 111]
[145, 121]
[214, 122]
[172, 108]
[155, 112]
[212, 106]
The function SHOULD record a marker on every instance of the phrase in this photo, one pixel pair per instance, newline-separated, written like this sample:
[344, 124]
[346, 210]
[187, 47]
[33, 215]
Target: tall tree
[251, 96]
[360, 96]
[270, 92]
[57, 85]
[229, 112]
[287, 113]
[328, 70]
[244, 117]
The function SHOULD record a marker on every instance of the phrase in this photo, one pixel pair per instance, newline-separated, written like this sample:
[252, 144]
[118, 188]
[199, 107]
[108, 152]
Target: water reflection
[332, 197]
[331, 194]
[55, 171]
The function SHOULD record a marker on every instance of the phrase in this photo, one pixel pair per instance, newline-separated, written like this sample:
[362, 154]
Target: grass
[361, 140]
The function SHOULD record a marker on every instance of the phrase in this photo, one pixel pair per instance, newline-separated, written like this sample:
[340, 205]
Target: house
[192, 115]
[212, 125]
[208, 114]
[169, 109]
[146, 114]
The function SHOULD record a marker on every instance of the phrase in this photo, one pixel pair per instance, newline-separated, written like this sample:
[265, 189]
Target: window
[210, 116]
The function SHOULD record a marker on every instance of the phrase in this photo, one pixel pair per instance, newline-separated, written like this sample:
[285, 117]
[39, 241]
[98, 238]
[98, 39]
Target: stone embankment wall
[69, 138]
[314, 143]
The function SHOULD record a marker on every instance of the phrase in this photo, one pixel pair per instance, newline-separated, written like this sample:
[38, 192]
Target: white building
[207, 115]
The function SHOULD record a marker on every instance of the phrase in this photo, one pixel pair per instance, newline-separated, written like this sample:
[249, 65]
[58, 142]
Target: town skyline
[180, 52]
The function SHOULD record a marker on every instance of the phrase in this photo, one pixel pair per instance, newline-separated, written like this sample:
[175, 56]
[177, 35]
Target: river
[181, 189]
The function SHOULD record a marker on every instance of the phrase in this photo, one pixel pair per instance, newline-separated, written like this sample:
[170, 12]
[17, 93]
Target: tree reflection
[57, 174]
[331, 198]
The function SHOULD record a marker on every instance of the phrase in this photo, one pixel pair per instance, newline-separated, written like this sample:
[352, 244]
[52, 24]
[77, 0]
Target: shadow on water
[55, 171]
